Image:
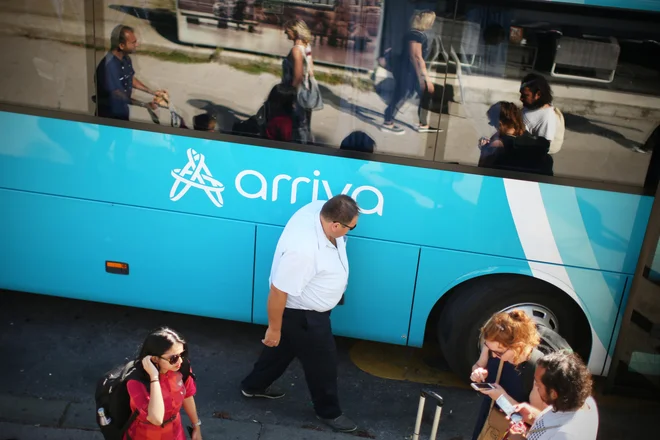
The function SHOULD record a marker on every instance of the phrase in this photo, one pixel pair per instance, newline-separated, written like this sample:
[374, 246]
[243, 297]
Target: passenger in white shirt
[564, 383]
[538, 113]
[307, 280]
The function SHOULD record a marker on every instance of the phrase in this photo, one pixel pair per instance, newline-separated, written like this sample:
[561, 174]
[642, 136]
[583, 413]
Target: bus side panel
[177, 262]
[598, 293]
[617, 327]
[556, 224]
[379, 298]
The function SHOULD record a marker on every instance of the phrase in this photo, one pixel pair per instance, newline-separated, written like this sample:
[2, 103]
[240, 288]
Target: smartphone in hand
[508, 409]
[482, 386]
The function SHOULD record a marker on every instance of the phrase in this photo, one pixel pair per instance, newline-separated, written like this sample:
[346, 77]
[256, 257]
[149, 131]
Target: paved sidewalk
[28, 418]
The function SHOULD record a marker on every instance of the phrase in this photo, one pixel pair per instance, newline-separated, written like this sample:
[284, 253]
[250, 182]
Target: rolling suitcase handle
[436, 418]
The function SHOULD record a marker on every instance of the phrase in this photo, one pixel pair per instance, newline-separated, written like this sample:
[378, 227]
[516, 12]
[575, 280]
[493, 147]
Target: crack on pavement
[261, 429]
[60, 421]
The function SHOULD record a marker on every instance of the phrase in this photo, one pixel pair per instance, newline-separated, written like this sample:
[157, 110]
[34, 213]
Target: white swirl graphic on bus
[200, 177]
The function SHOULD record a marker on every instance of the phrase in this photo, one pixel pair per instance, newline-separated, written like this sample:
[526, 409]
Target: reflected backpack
[112, 395]
[557, 142]
[551, 341]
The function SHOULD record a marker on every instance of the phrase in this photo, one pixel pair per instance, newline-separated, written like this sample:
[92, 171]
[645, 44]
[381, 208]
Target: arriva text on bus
[196, 174]
[263, 192]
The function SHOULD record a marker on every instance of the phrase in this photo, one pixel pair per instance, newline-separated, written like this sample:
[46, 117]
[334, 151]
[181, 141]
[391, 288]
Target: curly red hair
[514, 330]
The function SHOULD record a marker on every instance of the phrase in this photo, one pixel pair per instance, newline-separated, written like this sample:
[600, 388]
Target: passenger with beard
[538, 113]
[564, 383]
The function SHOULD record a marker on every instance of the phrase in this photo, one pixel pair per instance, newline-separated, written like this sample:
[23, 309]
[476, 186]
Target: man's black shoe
[269, 393]
[340, 424]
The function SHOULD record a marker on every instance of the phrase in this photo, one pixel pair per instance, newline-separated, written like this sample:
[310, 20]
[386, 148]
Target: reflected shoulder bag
[309, 94]
[496, 426]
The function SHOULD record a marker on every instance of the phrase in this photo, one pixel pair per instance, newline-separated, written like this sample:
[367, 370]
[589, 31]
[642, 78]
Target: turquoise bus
[125, 212]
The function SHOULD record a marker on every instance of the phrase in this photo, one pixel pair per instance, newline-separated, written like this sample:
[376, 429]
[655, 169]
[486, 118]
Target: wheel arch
[597, 352]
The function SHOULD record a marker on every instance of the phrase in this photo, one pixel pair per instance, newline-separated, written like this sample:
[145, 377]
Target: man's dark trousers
[306, 335]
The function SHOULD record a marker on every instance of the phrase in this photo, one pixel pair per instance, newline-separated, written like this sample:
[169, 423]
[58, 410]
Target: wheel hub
[541, 315]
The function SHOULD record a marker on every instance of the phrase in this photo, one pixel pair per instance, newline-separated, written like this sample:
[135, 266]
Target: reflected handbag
[496, 426]
[309, 94]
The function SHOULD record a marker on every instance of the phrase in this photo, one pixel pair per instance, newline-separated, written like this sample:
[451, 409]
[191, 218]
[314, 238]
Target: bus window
[237, 63]
[586, 80]
[44, 55]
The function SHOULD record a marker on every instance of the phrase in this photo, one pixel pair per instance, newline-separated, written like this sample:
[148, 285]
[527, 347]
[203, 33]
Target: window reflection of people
[115, 77]
[280, 114]
[358, 141]
[411, 76]
[538, 112]
[295, 70]
[204, 122]
[512, 147]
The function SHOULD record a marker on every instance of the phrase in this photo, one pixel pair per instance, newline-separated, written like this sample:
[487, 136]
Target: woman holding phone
[162, 358]
[509, 338]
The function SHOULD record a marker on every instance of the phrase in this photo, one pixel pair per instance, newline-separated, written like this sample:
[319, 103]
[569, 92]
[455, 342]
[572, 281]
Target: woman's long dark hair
[508, 115]
[157, 343]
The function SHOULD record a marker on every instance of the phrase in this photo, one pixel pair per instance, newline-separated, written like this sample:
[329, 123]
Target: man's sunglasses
[350, 228]
[174, 359]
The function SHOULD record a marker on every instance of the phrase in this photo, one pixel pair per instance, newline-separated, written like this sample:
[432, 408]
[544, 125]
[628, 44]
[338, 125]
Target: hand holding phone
[482, 386]
[508, 409]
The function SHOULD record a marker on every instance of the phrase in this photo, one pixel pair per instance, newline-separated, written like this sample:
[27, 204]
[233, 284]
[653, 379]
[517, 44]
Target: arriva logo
[201, 178]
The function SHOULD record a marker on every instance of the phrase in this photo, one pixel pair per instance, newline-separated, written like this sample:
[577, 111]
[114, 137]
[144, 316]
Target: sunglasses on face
[350, 228]
[174, 359]
[497, 354]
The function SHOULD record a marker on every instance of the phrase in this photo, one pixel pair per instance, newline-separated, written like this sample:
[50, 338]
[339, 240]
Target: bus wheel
[474, 301]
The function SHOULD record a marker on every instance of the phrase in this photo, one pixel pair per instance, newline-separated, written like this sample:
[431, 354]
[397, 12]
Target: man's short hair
[569, 377]
[118, 35]
[538, 84]
[341, 208]
[201, 122]
[358, 141]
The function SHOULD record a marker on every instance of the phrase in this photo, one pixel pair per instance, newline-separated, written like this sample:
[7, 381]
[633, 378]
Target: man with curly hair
[564, 383]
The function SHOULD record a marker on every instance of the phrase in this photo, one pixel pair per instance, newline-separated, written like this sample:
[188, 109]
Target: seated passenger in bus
[512, 147]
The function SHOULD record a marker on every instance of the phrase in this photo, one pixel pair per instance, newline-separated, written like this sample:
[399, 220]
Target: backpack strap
[128, 423]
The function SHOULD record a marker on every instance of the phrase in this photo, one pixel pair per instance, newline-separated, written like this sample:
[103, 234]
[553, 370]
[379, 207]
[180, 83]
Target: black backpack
[112, 395]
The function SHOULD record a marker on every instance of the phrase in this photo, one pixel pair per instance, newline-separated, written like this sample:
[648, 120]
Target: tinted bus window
[255, 53]
[586, 80]
[45, 57]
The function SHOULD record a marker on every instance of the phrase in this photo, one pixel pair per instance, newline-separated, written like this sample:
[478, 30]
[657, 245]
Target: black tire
[474, 301]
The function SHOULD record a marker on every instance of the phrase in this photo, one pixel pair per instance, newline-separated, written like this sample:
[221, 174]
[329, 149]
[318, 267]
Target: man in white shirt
[538, 113]
[564, 383]
[307, 280]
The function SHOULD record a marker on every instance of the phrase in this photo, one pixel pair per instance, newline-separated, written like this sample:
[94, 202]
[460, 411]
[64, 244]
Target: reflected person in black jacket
[512, 147]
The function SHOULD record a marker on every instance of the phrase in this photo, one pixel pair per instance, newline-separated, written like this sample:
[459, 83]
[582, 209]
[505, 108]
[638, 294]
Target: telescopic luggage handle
[425, 393]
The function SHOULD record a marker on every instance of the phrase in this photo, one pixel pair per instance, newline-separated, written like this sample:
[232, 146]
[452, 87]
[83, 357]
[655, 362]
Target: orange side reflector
[116, 267]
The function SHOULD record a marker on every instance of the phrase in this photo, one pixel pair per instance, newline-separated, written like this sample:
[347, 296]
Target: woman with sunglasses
[512, 339]
[159, 403]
